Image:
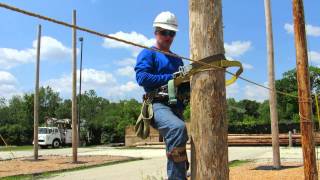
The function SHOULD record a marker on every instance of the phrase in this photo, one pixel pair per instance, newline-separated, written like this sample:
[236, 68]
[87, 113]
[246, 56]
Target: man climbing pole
[153, 71]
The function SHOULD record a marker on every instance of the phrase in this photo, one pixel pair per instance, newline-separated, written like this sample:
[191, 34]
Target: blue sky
[108, 65]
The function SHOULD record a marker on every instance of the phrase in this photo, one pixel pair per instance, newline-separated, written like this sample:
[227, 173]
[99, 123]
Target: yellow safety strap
[223, 64]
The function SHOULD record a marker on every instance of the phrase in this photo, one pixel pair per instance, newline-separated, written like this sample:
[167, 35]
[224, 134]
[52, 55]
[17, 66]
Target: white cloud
[237, 48]
[8, 85]
[12, 57]
[232, 90]
[129, 86]
[313, 30]
[289, 28]
[249, 91]
[257, 93]
[95, 78]
[50, 49]
[132, 37]
[7, 78]
[310, 29]
[314, 57]
[91, 79]
[61, 85]
[126, 71]
[247, 66]
[125, 91]
[103, 82]
[126, 62]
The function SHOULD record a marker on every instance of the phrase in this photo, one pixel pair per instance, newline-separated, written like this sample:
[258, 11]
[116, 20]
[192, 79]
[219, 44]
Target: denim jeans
[171, 126]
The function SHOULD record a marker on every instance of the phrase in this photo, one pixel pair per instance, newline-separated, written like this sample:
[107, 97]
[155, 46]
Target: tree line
[106, 120]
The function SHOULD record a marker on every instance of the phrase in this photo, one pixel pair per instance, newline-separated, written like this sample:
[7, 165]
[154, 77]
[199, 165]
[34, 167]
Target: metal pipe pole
[74, 90]
[272, 93]
[304, 93]
[36, 98]
[80, 82]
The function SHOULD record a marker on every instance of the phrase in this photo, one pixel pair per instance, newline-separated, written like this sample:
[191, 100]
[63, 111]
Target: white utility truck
[55, 134]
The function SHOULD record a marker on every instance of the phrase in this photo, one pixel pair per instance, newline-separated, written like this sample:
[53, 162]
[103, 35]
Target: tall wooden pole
[209, 151]
[305, 105]
[272, 93]
[74, 90]
[36, 99]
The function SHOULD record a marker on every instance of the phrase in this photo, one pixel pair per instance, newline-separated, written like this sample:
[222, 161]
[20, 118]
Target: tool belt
[142, 126]
[154, 97]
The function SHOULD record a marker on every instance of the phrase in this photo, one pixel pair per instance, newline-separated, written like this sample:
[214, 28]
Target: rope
[12, 8]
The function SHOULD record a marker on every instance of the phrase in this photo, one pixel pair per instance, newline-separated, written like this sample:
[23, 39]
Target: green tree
[64, 109]
[288, 106]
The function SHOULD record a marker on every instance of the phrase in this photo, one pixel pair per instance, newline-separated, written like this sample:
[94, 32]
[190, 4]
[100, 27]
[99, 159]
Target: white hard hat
[166, 20]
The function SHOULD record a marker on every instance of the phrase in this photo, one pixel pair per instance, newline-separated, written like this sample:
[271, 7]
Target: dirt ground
[52, 163]
[264, 171]
[248, 171]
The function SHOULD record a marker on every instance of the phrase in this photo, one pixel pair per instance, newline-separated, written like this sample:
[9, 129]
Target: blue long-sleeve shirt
[155, 69]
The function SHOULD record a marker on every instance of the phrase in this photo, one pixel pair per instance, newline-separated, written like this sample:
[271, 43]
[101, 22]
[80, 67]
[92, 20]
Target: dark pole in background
[79, 105]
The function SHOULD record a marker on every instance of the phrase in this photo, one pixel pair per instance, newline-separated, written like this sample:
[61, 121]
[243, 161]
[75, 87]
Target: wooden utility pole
[74, 90]
[209, 132]
[36, 99]
[305, 105]
[272, 92]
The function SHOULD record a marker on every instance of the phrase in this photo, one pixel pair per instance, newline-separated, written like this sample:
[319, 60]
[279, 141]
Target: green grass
[29, 177]
[55, 173]
[235, 163]
[16, 148]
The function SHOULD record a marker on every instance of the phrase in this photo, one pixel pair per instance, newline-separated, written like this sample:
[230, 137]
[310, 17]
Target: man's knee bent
[179, 133]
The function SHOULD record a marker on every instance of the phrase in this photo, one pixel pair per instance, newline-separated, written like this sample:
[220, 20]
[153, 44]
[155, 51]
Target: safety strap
[142, 127]
[217, 60]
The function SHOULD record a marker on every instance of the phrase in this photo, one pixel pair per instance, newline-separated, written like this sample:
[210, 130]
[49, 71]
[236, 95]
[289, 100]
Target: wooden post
[303, 79]
[36, 99]
[290, 139]
[74, 90]
[209, 146]
[272, 92]
[317, 107]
